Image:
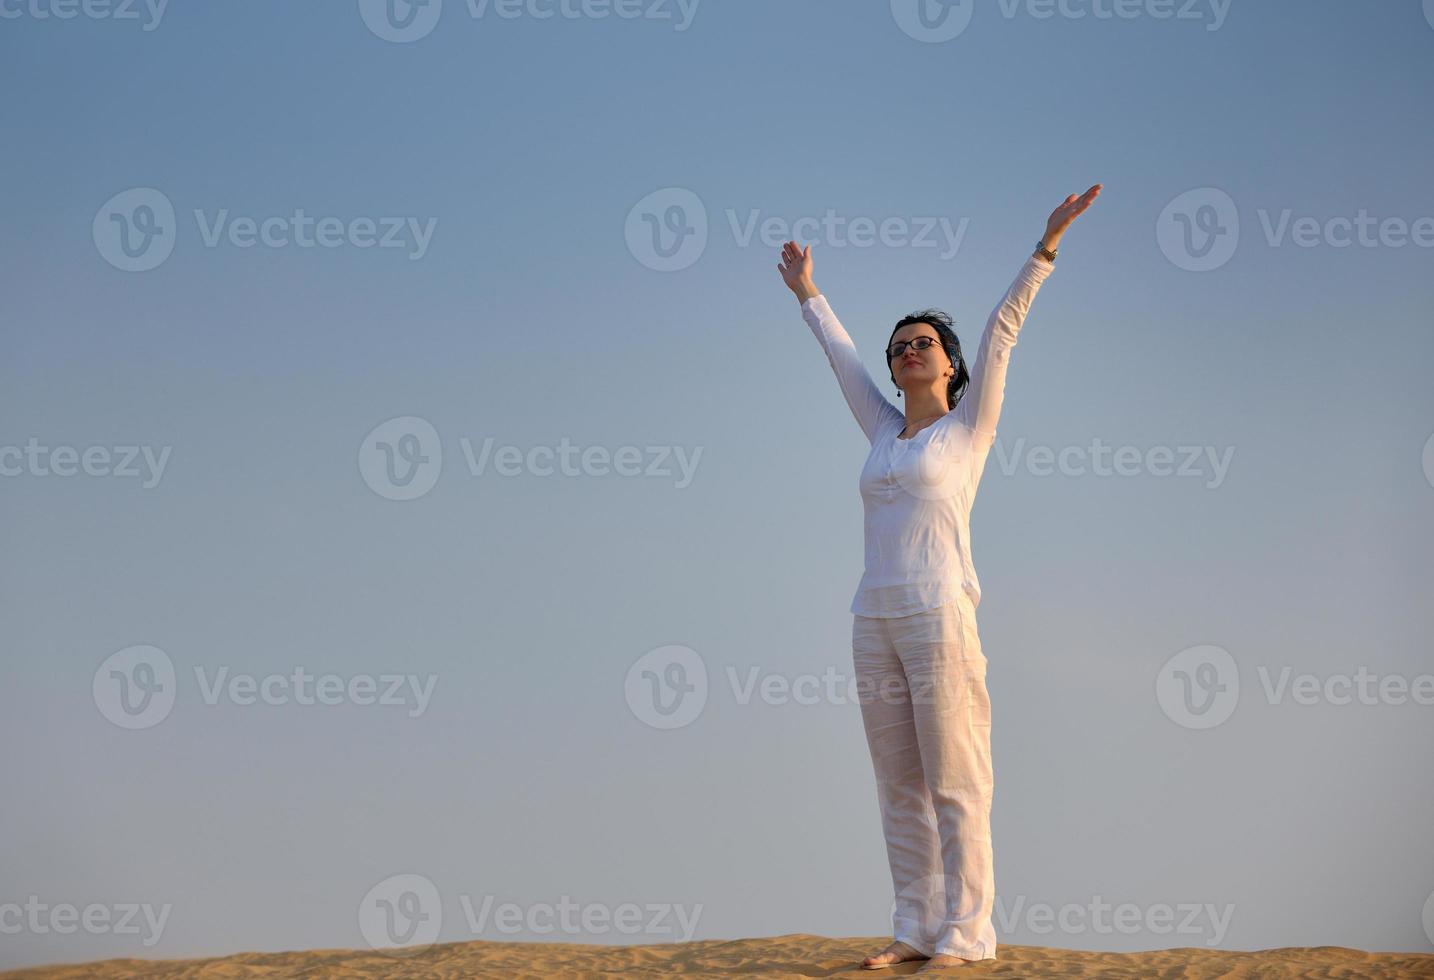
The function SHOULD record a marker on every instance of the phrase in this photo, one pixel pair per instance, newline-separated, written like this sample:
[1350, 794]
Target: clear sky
[1209, 652]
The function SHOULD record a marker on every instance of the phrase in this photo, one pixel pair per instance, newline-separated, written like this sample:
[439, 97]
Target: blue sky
[560, 234]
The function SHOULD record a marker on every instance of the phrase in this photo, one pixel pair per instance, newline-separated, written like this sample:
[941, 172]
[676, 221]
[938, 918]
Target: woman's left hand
[1069, 209]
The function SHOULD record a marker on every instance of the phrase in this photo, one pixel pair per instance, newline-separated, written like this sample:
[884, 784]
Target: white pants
[921, 682]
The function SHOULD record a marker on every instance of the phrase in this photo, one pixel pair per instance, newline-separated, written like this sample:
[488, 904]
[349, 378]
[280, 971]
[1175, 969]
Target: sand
[772, 957]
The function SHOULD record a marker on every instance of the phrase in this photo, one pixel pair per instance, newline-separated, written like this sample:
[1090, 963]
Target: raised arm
[980, 405]
[869, 407]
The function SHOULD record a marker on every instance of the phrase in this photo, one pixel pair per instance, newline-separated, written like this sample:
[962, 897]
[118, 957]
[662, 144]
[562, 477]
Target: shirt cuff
[1037, 269]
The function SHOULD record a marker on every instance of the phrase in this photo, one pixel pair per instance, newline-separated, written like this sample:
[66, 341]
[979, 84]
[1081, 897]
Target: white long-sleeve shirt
[917, 493]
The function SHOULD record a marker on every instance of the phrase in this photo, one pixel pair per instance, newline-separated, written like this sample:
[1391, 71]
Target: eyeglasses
[920, 343]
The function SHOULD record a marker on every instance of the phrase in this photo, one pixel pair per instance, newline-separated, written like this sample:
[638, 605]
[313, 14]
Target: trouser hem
[912, 941]
[965, 952]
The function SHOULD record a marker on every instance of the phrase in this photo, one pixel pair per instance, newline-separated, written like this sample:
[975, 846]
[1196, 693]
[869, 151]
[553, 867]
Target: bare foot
[941, 961]
[897, 952]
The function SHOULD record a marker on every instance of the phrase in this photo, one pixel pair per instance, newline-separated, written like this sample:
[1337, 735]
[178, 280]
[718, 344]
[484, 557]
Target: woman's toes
[895, 953]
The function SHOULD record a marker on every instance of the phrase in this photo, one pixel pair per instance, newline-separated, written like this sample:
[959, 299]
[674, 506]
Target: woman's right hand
[796, 270]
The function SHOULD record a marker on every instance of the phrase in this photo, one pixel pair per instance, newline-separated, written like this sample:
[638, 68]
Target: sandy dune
[772, 957]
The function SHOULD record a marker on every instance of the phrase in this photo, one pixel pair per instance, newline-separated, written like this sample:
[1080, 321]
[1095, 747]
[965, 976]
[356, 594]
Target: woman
[921, 675]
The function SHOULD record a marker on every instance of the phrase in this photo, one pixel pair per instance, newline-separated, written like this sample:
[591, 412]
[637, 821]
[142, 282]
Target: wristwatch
[1049, 254]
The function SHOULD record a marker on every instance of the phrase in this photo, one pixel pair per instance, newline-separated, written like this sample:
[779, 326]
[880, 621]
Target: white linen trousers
[920, 669]
[921, 683]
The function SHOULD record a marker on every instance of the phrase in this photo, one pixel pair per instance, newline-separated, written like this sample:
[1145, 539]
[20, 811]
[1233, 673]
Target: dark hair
[941, 323]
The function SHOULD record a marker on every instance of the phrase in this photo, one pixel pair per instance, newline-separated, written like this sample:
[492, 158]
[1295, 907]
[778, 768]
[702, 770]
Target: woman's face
[914, 367]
